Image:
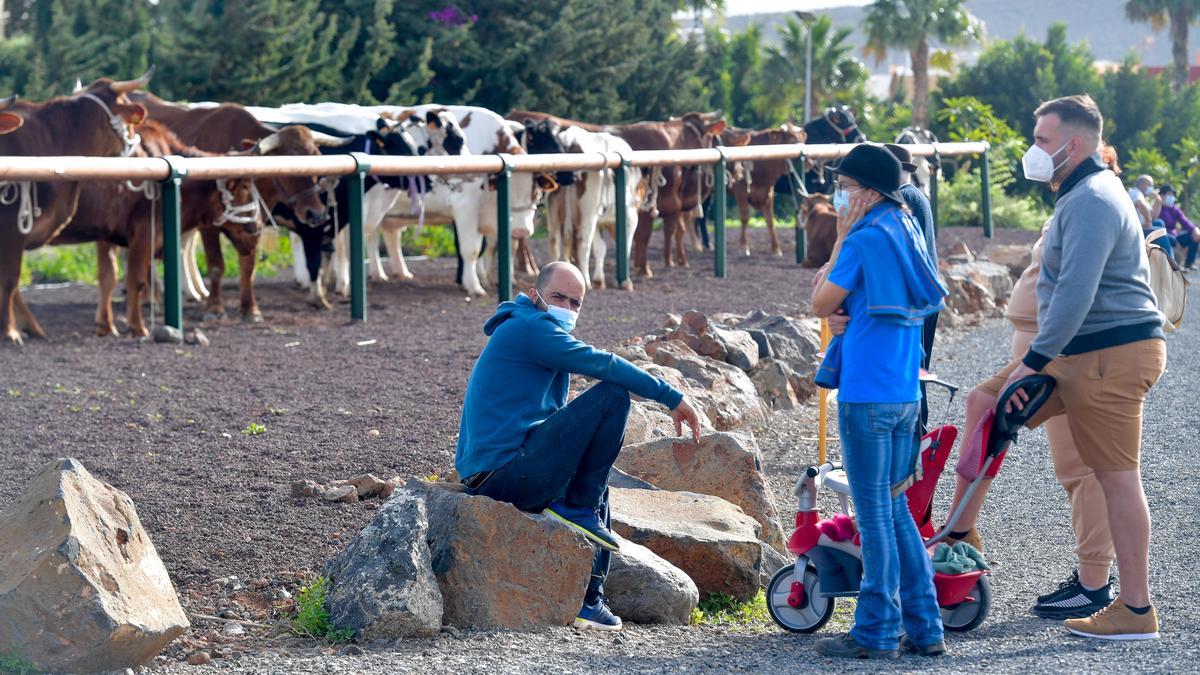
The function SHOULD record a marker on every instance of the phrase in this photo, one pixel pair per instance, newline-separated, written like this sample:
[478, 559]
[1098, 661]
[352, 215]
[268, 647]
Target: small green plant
[11, 663]
[431, 241]
[312, 616]
[254, 429]
[719, 609]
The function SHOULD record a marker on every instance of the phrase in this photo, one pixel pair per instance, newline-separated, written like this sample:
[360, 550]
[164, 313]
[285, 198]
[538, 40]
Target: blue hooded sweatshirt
[522, 378]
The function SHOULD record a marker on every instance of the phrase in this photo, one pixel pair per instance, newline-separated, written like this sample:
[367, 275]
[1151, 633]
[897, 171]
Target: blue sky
[735, 7]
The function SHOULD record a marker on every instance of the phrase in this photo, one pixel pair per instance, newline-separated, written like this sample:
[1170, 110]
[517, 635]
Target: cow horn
[7, 100]
[126, 86]
[78, 86]
[327, 141]
[268, 144]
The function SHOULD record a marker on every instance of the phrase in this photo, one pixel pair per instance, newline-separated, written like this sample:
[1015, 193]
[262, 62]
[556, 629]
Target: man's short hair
[544, 276]
[1145, 178]
[1078, 111]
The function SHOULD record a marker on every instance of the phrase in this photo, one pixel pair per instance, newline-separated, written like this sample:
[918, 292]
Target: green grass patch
[254, 429]
[312, 615]
[13, 664]
[719, 609]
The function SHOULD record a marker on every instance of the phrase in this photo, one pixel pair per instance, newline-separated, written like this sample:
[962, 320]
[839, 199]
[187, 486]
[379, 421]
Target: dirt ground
[166, 424]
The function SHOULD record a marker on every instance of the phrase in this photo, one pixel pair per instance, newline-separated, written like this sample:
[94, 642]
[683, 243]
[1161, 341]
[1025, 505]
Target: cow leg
[214, 306]
[249, 303]
[138, 260]
[744, 215]
[11, 253]
[374, 261]
[599, 249]
[25, 319]
[311, 243]
[526, 264]
[340, 262]
[392, 240]
[106, 280]
[685, 223]
[769, 214]
[641, 244]
[299, 261]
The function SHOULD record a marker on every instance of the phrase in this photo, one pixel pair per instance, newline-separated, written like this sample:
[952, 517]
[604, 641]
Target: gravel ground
[165, 425]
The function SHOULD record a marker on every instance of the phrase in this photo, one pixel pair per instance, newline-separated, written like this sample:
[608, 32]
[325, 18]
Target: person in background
[1181, 230]
[1147, 202]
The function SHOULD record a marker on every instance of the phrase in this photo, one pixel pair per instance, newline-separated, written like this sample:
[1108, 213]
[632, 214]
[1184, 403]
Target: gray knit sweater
[1094, 288]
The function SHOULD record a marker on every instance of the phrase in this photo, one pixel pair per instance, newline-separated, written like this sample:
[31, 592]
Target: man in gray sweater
[1100, 336]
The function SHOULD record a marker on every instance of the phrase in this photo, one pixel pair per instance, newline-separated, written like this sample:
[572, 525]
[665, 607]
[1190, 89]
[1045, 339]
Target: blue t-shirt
[880, 359]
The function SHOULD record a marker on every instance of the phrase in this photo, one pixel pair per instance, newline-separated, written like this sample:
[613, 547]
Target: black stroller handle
[1039, 388]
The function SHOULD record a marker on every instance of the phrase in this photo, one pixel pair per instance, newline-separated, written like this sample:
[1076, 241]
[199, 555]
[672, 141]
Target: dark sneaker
[846, 647]
[597, 617]
[1072, 601]
[908, 646]
[584, 521]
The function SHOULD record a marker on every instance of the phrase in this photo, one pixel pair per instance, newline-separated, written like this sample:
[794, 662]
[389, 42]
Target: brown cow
[112, 214]
[756, 189]
[92, 122]
[227, 127]
[668, 192]
[820, 222]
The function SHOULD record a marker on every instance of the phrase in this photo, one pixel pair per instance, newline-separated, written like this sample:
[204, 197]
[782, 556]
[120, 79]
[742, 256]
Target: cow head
[110, 99]
[446, 136]
[297, 198]
[544, 137]
[841, 118]
[10, 122]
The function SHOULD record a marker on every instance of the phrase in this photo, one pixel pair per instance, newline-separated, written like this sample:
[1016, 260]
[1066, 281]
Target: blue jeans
[878, 451]
[1185, 240]
[568, 457]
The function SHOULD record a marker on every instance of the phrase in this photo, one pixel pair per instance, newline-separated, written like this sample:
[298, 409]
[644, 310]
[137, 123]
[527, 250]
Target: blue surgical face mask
[1169, 200]
[565, 317]
[841, 200]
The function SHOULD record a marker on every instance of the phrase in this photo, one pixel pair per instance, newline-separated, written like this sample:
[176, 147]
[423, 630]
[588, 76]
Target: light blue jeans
[878, 451]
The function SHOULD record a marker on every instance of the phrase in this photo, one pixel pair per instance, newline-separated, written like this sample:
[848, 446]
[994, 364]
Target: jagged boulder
[723, 392]
[81, 585]
[643, 588]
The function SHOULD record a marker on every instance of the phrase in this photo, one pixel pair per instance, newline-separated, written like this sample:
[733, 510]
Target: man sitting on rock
[521, 442]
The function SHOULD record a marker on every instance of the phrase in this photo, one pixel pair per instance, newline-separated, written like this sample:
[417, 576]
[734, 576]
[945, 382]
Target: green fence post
[172, 263]
[985, 176]
[504, 230]
[801, 231]
[358, 272]
[622, 187]
[719, 216]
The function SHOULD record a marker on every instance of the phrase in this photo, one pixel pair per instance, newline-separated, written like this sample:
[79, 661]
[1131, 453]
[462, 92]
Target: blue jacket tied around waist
[888, 237]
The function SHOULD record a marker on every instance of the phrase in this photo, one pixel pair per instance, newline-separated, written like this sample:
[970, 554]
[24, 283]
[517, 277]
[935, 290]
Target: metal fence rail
[172, 171]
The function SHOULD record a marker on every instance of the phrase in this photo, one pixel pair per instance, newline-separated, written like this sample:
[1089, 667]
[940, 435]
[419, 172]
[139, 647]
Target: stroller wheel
[807, 610]
[968, 614]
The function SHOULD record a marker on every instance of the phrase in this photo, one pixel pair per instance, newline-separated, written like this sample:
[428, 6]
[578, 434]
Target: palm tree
[834, 67]
[912, 25]
[1176, 13]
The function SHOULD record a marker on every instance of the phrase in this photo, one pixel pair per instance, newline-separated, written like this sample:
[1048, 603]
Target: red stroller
[801, 596]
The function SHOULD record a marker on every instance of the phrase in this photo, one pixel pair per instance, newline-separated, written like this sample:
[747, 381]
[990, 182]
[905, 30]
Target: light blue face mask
[841, 200]
[565, 317]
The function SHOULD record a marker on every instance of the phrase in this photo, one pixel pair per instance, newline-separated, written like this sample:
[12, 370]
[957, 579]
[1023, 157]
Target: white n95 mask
[1039, 165]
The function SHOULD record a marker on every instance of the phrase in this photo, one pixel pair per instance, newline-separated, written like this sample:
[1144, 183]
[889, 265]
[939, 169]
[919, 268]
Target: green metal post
[801, 231]
[985, 174]
[719, 216]
[621, 173]
[172, 263]
[504, 231]
[358, 272]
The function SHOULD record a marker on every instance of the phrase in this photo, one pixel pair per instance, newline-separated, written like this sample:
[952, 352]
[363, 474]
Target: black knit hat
[873, 167]
[1165, 189]
[901, 153]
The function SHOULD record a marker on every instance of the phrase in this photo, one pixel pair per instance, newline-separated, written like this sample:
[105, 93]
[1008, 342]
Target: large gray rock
[382, 583]
[708, 538]
[714, 341]
[725, 465]
[643, 588]
[498, 567]
[81, 586]
[647, 421]
[773, 380]
[1015, 257]
[792, 341]
[978, 287]
[723, 392]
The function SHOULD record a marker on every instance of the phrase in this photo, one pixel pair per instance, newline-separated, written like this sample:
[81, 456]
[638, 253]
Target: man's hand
[685, 413]
[838, 321]
[1018, 400]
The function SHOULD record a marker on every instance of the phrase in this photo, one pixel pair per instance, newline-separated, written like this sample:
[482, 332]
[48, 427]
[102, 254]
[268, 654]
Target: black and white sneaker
[1071, 600]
